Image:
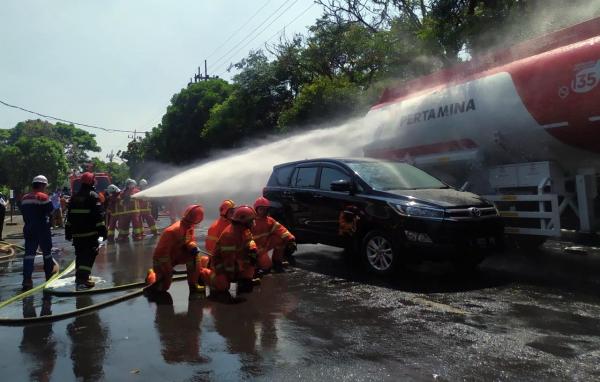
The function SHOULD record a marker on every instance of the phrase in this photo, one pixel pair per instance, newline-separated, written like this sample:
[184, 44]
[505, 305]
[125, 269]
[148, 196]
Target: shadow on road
[547, 267]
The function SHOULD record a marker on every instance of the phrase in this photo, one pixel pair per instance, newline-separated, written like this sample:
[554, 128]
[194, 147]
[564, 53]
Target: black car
[387, 212]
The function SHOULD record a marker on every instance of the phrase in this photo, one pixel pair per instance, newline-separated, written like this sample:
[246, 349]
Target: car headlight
[417, 210]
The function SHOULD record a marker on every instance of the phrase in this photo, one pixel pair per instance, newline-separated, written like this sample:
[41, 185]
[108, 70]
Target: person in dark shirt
[85, 224]
[37, 209]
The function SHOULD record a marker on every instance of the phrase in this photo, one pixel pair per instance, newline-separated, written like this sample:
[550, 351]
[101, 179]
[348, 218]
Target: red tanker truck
[521, 126]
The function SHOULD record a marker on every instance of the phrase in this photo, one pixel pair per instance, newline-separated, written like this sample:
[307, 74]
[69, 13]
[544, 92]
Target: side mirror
[341, 186]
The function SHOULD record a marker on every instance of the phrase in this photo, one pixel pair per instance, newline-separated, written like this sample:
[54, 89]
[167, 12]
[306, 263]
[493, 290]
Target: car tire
[380, 253]
[530, 242]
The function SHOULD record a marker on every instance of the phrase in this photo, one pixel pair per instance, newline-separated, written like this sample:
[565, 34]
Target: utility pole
[134, 136]
[110, 156]
[199, 77]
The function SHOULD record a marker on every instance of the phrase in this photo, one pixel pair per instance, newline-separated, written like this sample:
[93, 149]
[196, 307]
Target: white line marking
[558, 124]
[595, 119]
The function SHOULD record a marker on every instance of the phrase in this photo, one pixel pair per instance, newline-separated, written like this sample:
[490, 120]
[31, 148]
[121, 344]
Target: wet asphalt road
[523, 316]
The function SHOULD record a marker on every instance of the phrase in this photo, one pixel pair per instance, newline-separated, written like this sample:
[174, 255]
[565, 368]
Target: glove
[290, 248]
[194, 251]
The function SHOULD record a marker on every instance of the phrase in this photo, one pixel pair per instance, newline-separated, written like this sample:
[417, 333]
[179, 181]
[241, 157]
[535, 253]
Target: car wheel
[379, 253]
[469, 263]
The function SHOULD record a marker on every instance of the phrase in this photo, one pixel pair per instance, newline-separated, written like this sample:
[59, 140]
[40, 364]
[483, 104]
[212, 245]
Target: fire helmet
[112, 189]
[40, 179]
[226, 205]
[193, 214]
[143, 183]
[244, 215]
[130, 182]
[87, 178]
[261, 202]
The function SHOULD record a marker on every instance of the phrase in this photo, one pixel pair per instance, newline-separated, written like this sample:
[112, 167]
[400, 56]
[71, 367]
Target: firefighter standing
[145, 209]
[113, 210]
[37, 210]
[218, 226]
[177, 245]
[270, 234]
[129, 212]
[234, 256]
[85, 224]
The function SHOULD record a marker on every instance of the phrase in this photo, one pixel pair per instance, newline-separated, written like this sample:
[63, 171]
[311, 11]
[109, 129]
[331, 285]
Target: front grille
[470, 213]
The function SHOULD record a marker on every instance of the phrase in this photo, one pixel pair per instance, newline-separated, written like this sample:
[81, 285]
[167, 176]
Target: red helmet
[87, 178]
[226, 206]
[194, 214]
[244, 214]
[261, 202]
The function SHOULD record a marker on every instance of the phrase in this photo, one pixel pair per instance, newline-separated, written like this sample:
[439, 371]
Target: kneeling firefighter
[269, 234]
[218, 226]
[177, 245]
[85, 224]
[234, 256]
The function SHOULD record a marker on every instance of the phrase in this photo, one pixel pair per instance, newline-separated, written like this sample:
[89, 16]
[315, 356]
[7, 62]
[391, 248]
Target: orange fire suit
[214, 232]
[233, 258]
[145, 210]
[175, 247]
[270, 234]
[130, 215]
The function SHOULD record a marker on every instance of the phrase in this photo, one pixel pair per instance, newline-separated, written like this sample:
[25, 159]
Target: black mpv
[387, 212]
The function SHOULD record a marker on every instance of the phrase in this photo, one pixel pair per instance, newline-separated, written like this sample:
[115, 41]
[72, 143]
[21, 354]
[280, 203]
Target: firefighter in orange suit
[234, 256]
[145, 210]
[177, 245]
[270, 234]
[218, 226]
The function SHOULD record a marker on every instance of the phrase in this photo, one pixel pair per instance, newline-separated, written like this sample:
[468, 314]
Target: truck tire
[379, 253]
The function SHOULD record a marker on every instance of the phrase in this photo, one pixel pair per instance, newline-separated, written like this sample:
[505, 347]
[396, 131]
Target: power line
[218, 61]
[237, 30]
[268, 39]
[71, 122]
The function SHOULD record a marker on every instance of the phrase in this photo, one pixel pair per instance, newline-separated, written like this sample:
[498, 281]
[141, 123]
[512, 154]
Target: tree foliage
[38, 147]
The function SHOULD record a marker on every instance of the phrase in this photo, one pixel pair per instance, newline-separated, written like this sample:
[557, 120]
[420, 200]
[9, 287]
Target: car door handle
[288, 194]
[317, 196]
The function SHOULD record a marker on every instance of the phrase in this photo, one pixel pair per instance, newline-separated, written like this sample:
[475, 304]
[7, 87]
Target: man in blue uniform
[37, 209]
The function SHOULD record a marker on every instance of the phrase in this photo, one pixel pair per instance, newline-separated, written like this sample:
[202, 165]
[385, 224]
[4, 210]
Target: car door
[328, 204]
[299, 196]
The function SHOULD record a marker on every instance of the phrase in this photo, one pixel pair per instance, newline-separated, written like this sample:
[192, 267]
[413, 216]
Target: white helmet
[40, 179]
[112, 188]
[130, 182]
[143, 183]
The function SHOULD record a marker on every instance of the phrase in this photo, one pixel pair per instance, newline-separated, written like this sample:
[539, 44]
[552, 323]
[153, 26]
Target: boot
[196, 292]
[55, 270]
[84, 285]
[278, 267]
[27, 284]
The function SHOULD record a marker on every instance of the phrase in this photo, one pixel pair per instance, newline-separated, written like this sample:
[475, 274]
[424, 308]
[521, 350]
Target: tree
[76, 142]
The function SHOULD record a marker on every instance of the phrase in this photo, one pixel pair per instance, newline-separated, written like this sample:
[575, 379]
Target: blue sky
[116, 64]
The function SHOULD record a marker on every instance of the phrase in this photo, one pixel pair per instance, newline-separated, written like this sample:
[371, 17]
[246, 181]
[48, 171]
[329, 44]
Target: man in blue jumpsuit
[36, 208]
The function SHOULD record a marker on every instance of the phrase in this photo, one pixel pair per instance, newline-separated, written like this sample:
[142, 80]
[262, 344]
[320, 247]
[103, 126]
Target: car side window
[329, 175]
[305, 177]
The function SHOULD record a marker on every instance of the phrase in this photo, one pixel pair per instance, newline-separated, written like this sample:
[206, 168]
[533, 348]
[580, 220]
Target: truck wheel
[379, 253]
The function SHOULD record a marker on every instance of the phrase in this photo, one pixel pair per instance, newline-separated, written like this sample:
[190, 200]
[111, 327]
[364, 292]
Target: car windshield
[385, 176]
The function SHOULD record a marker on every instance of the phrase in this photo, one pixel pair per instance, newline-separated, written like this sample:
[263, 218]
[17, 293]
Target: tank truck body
[521, 126]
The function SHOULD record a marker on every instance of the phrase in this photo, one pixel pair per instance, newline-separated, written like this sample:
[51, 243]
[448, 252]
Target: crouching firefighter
[234, 256]
[269, 234]
[177, 245]
[85, 224]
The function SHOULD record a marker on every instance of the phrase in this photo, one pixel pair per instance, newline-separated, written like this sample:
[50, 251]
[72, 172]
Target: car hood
[442, 197]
